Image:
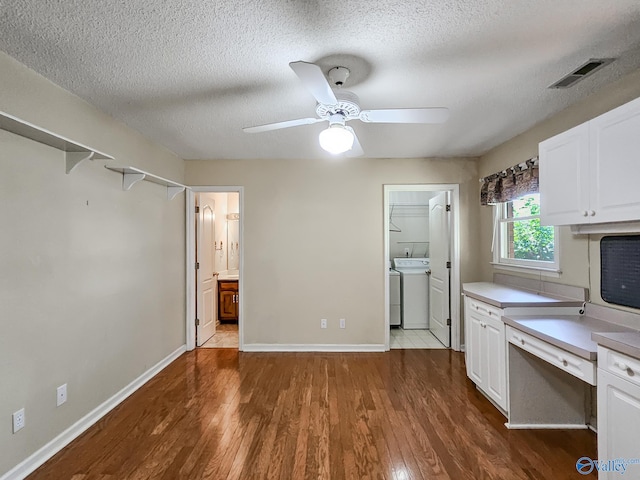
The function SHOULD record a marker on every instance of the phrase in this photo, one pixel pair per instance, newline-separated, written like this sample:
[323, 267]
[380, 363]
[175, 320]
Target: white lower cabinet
[618, 414]
[485, 350]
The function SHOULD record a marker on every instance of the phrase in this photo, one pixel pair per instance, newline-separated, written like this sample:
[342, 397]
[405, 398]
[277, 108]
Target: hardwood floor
[405, 414]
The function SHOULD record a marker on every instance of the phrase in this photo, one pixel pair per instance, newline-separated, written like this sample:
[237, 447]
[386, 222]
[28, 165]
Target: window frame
[500, 240]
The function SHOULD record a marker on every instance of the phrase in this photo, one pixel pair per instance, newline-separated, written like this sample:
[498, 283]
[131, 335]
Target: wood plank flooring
[405, 414]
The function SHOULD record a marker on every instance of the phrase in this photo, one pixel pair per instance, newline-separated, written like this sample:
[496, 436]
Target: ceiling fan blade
[356, 149]
[279, 125]
[405, 115]
[314, 80]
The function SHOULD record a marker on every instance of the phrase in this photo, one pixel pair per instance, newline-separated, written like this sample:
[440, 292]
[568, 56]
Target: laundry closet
[410, 269]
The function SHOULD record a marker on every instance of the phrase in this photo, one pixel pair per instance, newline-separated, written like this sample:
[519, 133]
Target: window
[521, 241]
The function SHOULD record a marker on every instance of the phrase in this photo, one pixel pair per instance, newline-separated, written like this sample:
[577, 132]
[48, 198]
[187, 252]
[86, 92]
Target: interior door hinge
[197, 265]
[197, 321]
[448, 322]
[448, 208]
[448, 264]
[197, 209]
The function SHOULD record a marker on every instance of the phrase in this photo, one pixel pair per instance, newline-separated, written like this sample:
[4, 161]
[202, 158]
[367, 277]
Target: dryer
[395, 308]
[414, 291]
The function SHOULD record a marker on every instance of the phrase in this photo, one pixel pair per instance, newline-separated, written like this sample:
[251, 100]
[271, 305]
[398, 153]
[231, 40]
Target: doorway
[430, 245]
[214, 267]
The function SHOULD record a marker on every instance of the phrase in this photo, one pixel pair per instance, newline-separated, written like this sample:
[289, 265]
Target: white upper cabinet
[589, 174]
[564, 177]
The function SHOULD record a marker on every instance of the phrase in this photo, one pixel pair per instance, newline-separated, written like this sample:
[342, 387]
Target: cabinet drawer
[619, 364]
[229, 286]
[484, 309]
[570, 363]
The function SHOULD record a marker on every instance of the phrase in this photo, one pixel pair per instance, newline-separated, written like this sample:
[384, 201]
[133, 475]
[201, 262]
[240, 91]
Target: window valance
[510, 184]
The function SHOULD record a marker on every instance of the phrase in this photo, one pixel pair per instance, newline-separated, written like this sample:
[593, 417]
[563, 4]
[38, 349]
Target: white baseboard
[305, 347]
[43, 454]
[544, 426]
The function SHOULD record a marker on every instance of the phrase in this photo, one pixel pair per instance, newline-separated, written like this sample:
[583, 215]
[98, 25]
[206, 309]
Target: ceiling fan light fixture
[336, 139]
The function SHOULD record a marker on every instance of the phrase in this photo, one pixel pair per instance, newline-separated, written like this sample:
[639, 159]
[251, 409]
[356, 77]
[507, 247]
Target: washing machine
[414, 291]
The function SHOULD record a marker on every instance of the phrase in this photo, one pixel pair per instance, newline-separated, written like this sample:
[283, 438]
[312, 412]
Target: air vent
[583, 71]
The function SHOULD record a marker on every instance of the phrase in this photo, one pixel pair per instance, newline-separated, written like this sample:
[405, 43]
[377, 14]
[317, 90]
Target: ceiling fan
[338, 106]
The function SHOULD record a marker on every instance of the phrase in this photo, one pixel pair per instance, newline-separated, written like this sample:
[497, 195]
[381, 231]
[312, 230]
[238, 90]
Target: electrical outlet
[407, 252]
[18, 420]
[61, 395]
[343, 323]
[323, 323]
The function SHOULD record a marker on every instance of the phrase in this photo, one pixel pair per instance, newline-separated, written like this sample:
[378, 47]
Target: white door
[206, 279]
[439, 234]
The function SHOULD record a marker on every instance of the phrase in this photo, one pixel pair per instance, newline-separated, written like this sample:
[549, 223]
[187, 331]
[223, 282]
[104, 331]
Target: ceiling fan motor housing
[348, 105]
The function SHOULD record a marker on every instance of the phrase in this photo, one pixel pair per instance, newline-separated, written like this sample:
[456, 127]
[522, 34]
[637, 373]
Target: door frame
[454, 291]
[191, 260]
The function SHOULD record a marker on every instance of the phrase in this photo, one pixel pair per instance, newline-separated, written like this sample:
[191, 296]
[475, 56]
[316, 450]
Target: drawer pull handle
[622, 366]
[563, 361]
[522, 340]
[625, 368]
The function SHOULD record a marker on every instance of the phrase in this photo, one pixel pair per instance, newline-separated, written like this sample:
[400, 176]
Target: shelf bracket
[73, 159]
[173, 191]
[130, 179]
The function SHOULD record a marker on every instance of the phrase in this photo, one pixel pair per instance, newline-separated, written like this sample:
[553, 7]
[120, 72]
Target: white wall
[92, 278]
[314, 241]
[411, 215]
[579, 255]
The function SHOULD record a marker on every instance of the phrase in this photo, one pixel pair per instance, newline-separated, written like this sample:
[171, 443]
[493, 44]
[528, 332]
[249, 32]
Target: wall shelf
[75, 153]
[132, 175]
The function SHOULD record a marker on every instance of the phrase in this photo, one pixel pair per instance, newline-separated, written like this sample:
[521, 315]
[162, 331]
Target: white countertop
[504, 296]
[572, 333]
[226, 276]
[624, 342]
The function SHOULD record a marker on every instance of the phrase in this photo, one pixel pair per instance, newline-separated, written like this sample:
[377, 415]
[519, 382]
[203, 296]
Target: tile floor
[401, 339]
[226, 336]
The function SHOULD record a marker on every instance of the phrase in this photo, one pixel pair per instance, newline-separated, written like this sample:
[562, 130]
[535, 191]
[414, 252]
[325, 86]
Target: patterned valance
[510, 184]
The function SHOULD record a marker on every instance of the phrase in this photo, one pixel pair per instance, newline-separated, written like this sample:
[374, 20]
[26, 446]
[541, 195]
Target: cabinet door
[496, 378]
[564, 178]
[475, 346]
[228, 300]
[618, 422]
[227, 309]
[615, 164]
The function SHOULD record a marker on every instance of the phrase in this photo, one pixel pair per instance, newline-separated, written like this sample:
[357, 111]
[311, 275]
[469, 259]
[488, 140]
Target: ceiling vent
[593, 65]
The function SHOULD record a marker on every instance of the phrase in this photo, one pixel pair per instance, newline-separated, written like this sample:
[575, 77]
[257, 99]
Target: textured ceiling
[190, 74]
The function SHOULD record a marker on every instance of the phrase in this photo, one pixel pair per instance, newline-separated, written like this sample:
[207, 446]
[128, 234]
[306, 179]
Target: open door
[206, 278]
[439, 234]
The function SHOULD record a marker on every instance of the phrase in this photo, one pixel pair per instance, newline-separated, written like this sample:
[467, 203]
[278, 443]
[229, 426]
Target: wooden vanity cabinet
[228, 300]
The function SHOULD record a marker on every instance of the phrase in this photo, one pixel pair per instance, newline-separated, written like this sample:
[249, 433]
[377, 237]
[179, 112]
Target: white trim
[615, 227]
[191, 260]
[40, 456]
[545, 426]
[547, 272]
[190, 240]
[310, 347]
[455, 291]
